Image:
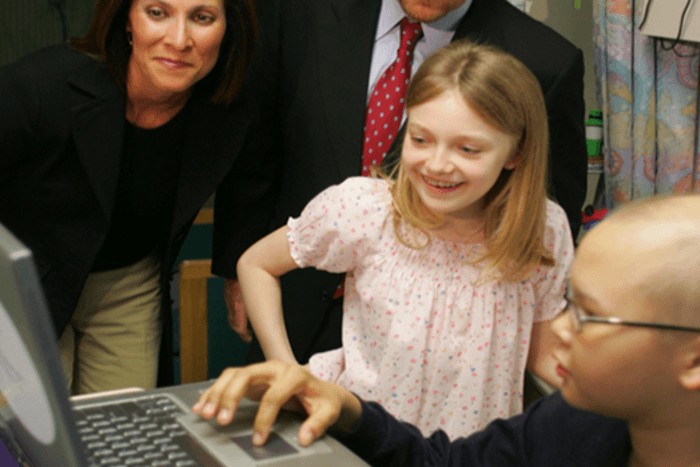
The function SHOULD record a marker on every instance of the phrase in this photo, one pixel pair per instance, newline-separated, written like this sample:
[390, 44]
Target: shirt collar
[391, 13]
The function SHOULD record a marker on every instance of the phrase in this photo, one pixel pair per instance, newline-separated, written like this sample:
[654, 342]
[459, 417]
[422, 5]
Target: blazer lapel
[215, 136]
[98, 131]
[345, 45]
[482, 23]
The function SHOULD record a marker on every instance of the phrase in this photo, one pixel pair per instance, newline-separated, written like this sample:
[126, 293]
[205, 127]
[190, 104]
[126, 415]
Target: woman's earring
[129, 38]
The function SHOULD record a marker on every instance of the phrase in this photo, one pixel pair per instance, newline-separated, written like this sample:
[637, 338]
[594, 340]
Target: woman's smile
[170, 63]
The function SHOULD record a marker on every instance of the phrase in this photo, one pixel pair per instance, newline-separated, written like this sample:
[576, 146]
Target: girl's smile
[439, 186]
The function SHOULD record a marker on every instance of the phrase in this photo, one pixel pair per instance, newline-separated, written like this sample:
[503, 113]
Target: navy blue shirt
[550, 433]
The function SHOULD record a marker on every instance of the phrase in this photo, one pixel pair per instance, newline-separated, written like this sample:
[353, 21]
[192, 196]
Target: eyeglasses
[579, 319]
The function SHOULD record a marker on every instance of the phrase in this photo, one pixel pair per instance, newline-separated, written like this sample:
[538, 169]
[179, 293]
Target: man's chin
[427, 11]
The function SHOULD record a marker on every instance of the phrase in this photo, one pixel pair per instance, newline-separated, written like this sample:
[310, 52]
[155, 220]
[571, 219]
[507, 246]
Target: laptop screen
[35, 420]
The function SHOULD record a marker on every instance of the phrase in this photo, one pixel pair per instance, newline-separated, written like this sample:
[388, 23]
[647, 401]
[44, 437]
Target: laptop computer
[40, 426]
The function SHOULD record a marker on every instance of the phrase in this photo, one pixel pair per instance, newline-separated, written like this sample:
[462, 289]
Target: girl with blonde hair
[453, 270]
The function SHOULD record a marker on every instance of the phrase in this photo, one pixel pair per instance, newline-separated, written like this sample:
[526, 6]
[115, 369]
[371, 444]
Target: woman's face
[175, 44]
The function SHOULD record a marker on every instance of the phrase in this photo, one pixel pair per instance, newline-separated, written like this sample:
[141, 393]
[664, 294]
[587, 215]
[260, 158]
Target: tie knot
[410, 34]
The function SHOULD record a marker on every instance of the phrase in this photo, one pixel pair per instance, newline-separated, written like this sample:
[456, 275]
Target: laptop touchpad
[234, 441]
[276, 446]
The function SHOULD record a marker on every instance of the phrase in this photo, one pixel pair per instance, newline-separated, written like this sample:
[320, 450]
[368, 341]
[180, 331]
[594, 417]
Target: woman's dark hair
[107, 40]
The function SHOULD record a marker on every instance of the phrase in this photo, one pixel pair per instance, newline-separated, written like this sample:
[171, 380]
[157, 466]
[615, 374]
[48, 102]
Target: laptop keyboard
[141, 432]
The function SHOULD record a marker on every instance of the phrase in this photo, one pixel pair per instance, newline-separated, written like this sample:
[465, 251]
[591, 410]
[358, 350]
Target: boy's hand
[279, 385]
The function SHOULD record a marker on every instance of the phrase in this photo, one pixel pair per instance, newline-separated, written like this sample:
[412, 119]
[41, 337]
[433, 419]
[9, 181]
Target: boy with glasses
[628, 353]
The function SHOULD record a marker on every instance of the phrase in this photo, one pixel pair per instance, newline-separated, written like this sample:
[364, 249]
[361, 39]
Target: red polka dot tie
[385, 107]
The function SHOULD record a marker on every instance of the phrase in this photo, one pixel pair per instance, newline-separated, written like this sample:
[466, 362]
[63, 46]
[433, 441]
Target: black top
[148, 176]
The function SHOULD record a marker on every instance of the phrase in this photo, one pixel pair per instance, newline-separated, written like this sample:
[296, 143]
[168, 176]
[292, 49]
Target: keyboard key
[103, 452]
[169, 447]
[110, 461]
[96, 445]
[127, 453]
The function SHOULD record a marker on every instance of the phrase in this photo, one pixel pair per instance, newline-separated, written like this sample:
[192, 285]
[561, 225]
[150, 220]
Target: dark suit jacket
[310, 84]
[62, 121]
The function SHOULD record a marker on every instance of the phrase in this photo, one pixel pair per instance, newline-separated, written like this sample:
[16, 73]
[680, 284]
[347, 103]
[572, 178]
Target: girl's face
[175, 43]
[453, 157]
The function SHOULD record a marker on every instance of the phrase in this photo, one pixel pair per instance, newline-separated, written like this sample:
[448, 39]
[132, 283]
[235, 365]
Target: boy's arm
[366, 428]
[258, 270]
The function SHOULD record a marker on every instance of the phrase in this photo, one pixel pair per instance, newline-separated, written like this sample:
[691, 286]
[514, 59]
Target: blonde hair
[508, 97]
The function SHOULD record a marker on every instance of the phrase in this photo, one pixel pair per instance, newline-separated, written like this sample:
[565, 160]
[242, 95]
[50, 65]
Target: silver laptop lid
[36, 425]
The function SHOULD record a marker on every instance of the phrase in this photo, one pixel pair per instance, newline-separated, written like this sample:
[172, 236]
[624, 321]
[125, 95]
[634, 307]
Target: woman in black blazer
[109, 149]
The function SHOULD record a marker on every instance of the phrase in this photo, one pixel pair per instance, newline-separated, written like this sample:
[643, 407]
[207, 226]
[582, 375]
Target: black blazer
[310, 85]
[62, 120]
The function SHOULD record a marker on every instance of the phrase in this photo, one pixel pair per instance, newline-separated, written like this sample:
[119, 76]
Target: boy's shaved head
[658, 239]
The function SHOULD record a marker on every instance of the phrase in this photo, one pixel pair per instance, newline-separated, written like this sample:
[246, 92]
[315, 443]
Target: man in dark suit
[316, 65]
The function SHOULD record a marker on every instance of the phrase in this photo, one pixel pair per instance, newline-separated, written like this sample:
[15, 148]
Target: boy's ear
[690, 378]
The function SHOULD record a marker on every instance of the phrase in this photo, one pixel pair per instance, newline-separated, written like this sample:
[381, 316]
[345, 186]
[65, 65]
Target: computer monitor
[37, 422]
[35, 419]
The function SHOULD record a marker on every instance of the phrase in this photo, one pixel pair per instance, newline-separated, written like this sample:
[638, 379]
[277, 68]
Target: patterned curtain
[520, 4]
[650, 102]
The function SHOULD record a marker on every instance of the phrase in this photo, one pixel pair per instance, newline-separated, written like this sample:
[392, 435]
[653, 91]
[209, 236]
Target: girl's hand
[279, 385]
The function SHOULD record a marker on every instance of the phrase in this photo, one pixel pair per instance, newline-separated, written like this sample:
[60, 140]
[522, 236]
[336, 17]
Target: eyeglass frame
[579, 319]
